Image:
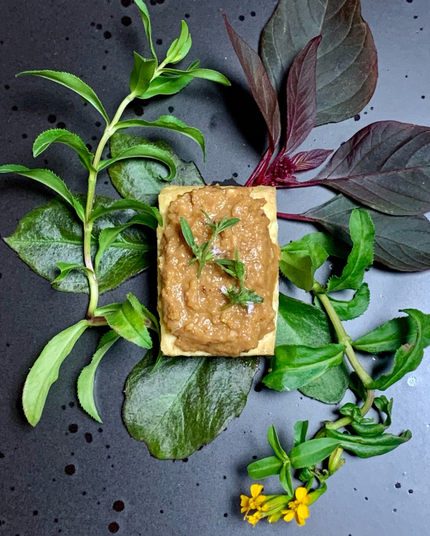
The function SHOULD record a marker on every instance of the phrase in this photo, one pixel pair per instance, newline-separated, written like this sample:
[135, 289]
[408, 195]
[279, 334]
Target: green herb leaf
[346, 73]
[87, 375]
[180, 46]
[147, 25]
[45, 370]
[141, 75]
[273, 439]
[366, 447]
[400, 243]
[296, 366]
[166, 85]
[348, 310]
[300, 432]
[60, 135]
[366, 427]
[124, 204]
[362, 233]
[189, 236]
[206, 74]
[297, 267]
[169, 122]
[408, 357]
[391, 335]
[184, 403]
[265, 467]
[75, 84]
[285, 478]
[131, 322]
[144, 150]
[312, 452]
[66, 268]
[108, 236]
[51, 234]
[50, 179]
[143, 179]
[319, 247]
[302, 324]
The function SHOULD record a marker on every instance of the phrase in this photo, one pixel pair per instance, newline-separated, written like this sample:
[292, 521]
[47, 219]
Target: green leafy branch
[129, 320]
[297, 366]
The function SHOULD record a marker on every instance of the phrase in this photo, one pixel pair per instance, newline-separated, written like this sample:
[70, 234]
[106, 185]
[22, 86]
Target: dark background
[385, 496]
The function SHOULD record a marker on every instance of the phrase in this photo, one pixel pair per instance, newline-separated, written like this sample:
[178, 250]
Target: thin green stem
[88, 226]
[342, 336]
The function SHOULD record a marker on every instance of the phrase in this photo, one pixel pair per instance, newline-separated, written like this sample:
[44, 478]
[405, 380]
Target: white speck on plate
[250, 307]
[412, 381]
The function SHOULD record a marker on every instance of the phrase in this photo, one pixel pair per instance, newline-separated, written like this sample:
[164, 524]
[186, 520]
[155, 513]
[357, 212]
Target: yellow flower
[254, 502]
[254, 518]
[298, 509]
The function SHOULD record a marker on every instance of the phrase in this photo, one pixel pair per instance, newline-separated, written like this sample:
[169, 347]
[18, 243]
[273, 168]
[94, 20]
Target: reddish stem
[297, 184]
[295, 217]
[259, 172]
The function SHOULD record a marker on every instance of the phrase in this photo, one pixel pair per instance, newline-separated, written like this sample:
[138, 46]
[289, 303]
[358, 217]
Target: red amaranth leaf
[259, 83]
[301, 96]
[310, 159]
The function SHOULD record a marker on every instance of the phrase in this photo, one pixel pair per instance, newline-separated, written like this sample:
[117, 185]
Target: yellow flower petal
[244, 500]
[258, 500]
[307, 499]
[244, 509]
[256, 489]
[300, 521]
[254, 518]
[303, 511]
[289, 515]
[301, 493]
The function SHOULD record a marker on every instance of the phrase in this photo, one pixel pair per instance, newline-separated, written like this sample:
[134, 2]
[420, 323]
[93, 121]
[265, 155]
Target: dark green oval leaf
[347, 60]
[87, 375]
[60, 135]
[75, 84]
[385, 166]
[45, 370]
[185, 403]
[329, 388]
[366, 447]
[50, 179]
[311, 452]
[266, 467]
[143, 179]
[348, 310]
[51, 234]
[400, 243]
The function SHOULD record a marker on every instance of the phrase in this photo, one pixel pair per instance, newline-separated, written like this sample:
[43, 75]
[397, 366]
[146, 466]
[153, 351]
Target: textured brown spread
[192, 307]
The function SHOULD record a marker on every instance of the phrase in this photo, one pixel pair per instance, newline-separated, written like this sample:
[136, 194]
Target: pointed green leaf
[206, 74]
[168, 122]
[180, 46]
[144, 150]
[285, 478]
[265, 467]
[408, 357]
[366, 447]
[166, 85]
[312, 452]
[130, 322]
[87, 375]
[297, 267]
[146, 24]
[45, 370]
[296, 366]
[273, 439]
[75, 84]
[362, 233]
[50, 179]
[141, 75]
[300, 432]
[125, 204]
[66, 268]
[60, 135]
[348, 310]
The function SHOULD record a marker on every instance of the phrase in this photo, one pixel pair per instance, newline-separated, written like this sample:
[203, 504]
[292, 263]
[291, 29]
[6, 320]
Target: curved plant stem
[88, 225]
[343, 337]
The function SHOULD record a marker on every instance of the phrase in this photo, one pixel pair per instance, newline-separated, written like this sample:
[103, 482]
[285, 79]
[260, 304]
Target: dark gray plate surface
[385, 496]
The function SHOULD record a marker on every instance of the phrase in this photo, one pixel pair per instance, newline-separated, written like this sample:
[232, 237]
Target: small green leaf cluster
[102, 226]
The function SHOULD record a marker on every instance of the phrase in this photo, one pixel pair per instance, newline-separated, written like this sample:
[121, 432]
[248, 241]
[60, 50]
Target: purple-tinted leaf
[310, 159]
[347, 65]
[281, 173]
[385, 166]
[401, 243]
[259, 83]
[301, 96]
